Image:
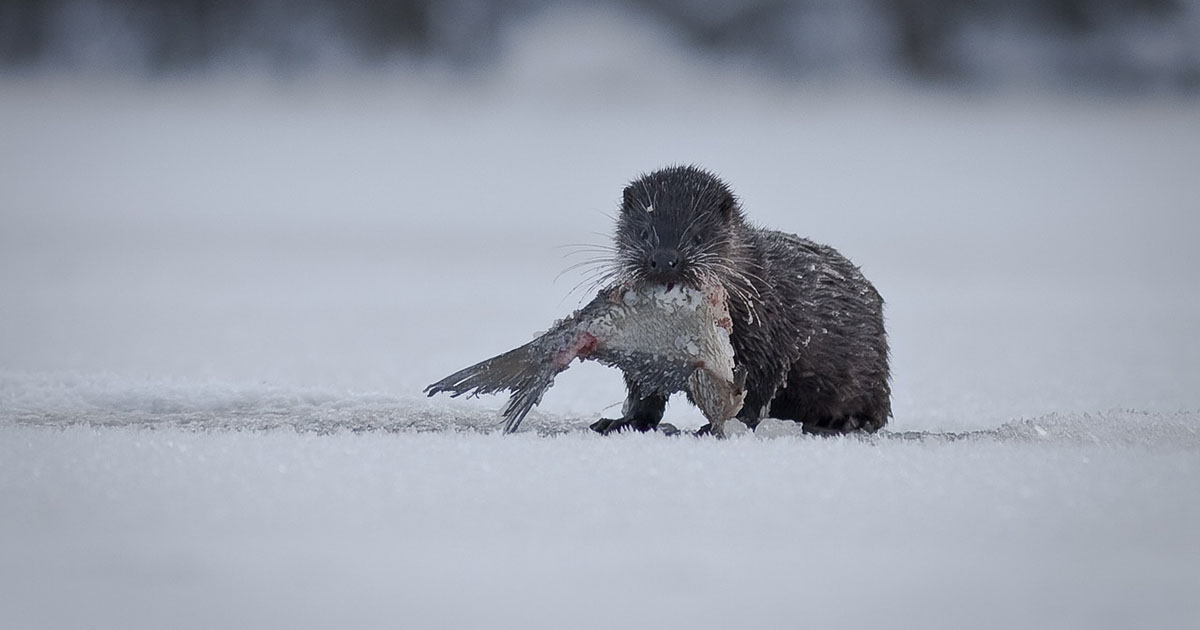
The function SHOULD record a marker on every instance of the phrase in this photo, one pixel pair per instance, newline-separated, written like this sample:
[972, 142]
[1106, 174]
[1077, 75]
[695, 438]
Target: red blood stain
[581, 347]
[586, 343]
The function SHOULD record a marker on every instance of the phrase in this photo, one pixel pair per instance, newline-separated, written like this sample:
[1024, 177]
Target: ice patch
[770, 428]
[735, 428]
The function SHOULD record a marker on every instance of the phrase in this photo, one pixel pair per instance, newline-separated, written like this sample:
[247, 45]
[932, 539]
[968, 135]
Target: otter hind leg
[836, 426]
[828, 423]
[815, 405]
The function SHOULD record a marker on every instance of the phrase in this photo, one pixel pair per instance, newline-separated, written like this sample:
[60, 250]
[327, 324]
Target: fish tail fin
[522, 371]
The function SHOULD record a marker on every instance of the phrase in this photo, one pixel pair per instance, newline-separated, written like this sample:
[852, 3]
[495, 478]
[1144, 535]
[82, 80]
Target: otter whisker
[595, 281]
[590, 269]
[586, 263]
[574, 250]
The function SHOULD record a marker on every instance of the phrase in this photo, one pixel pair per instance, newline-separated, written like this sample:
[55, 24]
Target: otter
[807, 325]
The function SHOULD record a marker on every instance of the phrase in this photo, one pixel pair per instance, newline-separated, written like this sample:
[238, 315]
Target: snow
[220, 299]
[120, 527]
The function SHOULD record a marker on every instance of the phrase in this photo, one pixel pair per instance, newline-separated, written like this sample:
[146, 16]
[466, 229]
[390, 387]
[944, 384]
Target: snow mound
[105, 402]
[108, 402]
[1119, 427]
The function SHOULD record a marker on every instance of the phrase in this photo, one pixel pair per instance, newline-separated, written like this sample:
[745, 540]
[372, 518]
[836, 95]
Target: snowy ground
[219, 301]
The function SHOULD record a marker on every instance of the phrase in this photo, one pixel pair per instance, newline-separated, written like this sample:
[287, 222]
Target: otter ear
[627, 199]
[728, 207]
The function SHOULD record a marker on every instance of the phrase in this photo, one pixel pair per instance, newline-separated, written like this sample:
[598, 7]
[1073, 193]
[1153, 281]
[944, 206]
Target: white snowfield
[220, 300]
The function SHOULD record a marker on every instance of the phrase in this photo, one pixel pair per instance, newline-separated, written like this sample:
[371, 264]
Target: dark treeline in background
[1121, 43]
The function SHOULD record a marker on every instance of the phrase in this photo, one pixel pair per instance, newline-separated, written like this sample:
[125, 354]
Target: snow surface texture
[219, 302]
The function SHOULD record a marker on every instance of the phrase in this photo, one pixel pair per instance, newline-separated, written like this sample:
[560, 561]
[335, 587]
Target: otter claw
[605, 426]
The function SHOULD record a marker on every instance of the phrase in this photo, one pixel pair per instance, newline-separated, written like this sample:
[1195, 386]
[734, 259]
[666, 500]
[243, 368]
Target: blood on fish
[587, 344]
[581, 347]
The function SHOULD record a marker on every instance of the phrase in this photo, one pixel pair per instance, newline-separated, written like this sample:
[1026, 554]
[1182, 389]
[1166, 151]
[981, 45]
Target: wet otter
[807, 326]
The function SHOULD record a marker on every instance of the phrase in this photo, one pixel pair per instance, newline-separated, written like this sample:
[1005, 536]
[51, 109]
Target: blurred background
[1109, 44]
[230, 205]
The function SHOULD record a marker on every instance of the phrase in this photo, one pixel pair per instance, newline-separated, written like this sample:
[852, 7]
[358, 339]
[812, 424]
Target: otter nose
[664, 260]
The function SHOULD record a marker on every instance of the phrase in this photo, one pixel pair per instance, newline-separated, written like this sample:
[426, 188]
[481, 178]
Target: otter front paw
[604, 426]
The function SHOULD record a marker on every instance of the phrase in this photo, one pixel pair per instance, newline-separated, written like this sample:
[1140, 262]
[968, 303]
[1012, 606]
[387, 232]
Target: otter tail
[525, 372]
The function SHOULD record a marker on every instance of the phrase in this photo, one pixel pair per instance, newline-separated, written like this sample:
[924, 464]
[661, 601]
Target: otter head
[675, 225]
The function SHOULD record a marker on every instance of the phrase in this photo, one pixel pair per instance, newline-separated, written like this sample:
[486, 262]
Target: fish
[670, 337]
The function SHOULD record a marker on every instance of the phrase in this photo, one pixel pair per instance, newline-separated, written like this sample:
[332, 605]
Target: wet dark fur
[807, 326]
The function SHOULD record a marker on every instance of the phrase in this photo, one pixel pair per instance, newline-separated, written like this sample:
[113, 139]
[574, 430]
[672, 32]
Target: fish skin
[671, 338]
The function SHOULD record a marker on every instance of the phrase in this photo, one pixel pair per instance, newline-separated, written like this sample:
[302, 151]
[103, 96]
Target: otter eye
[697, 240]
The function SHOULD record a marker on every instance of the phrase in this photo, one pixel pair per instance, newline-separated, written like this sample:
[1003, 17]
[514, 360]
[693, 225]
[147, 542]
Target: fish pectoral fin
[739, 379]
[717, 398]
